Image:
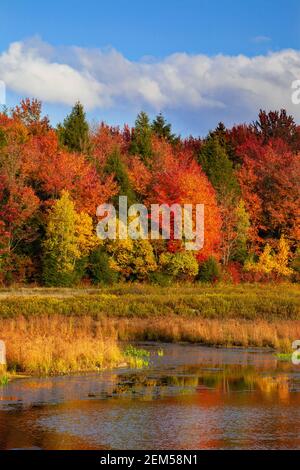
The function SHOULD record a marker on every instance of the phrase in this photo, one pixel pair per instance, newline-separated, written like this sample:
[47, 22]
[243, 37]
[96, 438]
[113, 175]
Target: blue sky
[150, 32]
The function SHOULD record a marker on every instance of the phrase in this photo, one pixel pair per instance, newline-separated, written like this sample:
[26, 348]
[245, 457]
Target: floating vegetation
[137, 357]
[4, 380]
[287, 357]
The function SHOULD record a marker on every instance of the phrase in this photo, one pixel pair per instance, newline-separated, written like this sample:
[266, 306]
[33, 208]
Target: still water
[192, 397]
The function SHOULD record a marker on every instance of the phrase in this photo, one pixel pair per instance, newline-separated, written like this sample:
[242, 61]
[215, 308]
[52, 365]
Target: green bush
[161, 279]
[209, 271]
[181, 265]
[99, 268]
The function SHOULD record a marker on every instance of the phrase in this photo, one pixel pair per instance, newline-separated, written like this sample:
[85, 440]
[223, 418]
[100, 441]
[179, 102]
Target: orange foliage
[270, 182]
[181, 180]
[104, 142]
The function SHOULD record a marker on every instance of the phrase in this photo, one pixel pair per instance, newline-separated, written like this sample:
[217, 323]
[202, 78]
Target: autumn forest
[53, 179]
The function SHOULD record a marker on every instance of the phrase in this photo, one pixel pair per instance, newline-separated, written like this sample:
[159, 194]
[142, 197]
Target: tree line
[53, 179]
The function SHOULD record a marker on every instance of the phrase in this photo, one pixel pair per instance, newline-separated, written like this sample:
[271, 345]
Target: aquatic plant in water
[137, 357]
[4, 380]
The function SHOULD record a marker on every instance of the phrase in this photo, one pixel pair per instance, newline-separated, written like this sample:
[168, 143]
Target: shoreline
[61, 331]
[12, 375]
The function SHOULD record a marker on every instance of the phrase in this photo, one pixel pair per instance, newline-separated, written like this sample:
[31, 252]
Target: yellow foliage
[270, 262]
[131, 258]
[61, 240]
[86, 236]
[282, 258]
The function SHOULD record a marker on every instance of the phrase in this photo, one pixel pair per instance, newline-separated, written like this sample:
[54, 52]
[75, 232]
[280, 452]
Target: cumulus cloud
[228, 86]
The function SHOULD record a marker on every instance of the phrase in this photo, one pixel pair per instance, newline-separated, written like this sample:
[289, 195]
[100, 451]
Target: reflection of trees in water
[229, 378]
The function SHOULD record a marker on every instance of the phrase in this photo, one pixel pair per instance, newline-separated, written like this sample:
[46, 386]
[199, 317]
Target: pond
[190, 397]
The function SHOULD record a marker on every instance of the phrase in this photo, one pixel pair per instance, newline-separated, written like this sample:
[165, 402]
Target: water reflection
[192, 397]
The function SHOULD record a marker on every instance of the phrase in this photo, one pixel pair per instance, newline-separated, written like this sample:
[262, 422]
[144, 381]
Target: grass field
[67, 330]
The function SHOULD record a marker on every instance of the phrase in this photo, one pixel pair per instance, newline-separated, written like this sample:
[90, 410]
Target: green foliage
[137, 357]
[161, 279]
[209, 270]
[4, 379]
[141, 141]
[100, 269]
[74, 132]
[115, 166]
[182, 265]
[248, 302]
[163, 130]
[219, 169]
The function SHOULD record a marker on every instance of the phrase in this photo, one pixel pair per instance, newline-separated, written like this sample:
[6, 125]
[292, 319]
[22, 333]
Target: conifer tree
[74, 132]
[162, 129]
[218, 168]
[115, 166]
[141, 142]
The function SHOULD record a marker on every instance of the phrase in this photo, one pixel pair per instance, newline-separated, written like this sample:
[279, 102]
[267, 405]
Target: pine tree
[162, 129]
[115, 166]
[218, 168]
[141, 141]
[74, 133]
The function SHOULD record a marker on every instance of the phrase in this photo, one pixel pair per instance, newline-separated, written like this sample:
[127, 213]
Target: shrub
[133, 259]
[99, 268]
[16, 269]
[209, 271]
[182, 265]
[161, 279]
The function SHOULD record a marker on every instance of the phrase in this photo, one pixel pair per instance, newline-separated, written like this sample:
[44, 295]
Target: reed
[57, 345]
[59, 331]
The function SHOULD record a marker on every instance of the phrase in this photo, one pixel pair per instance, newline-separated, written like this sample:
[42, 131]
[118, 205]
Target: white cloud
[232, 87]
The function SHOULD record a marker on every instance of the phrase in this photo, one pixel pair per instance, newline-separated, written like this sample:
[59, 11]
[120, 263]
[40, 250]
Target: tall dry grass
[53, 331]
[58, 345]
[278, 335]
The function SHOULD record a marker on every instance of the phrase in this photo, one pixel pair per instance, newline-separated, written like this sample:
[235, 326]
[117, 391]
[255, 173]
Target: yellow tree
[69, 237]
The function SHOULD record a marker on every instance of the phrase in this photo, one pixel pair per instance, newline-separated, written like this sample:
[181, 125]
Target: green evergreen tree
[141, 141]
[163, 130]
[74, 132]
[100, 270]
[220, 133]
[209, 271]
[115, 166]
[219, 169]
